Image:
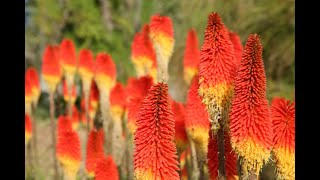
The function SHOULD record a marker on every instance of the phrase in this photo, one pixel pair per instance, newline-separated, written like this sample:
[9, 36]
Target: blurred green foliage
[110, 26]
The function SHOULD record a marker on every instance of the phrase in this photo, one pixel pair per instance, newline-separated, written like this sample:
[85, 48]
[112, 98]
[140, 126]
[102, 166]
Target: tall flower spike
[51, 70]
[136, 89]
[66, 95]
[155, 155]
[230, 157]
[94, 150]
[75, 118]
[217, 69]
[69, 152]
[35, 84]
[237, 46]
[28, 128]
[161, 35]
[68, 60]
[117, 101]
[197, 119]
[191, 56]
[86, 68]
[105, 72]
[28, 94]
[250, 123]
[181, 139]
[106, 169]
[64, 124]
[143, 55]
[283, 120]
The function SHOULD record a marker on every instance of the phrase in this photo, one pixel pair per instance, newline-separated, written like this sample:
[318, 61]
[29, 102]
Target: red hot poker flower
[75, 118]
[28, 90]
[28, 128]
[250, 123]
[235, 39]
[217, 69]
[191, 56]
[94, 150]
[105, 72]
[181, 139]
[143, 55]
[136, 89]
[230, 155]
[66, 93]
[86, 67]
[35, 83]
[155, 155]
[64, 124]
[68, 59]
[106, 169]
[51, 70]
[117, 101]
[197, 118]
[283, 120]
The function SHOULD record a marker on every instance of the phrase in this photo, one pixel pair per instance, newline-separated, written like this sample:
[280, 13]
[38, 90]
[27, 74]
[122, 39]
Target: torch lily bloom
[94, 150]
[117, 101]
[66, 95]
[197, 119]
[35, 84]
[161, 35]
[64, 124]
[237, 46]
[155, 155]
[143, 55]
[181, 139]
[68, 60]
[250, 116]
[28, 94]
[136, 89]
[86, 68]
[283, 120]
[51, 71]
[106, 169]
[217, 69]
[28, 128]
[230, 157]
[191, 56]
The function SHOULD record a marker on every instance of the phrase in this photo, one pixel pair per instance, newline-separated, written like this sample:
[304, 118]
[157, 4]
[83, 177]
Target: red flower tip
[191, 56]
[181, 139]
[237, 46]
[117, 101]
[283, 120]
[66, 92]
[197, 118]
[137, 89]
[105, 72]
[106, 169]
[28, 128]
[161, 24]
[94, 150]
[250, 120]
[64, 124]
[75, 117]
[28, 89]
[35, 83]
[86, 65]
[51, 70]
[231, 158]
[155, 155]
[68, 53]
[69, 152]
[217, 69]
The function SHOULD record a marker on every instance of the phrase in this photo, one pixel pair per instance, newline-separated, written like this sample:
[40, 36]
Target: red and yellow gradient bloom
[94, 150]
[217, 70]
[64, 124]
[283, 120]
[181, 139]
[136, 89]
[105, 72]
[28, 94]
[27, 128]
[155, 155]
[75, 118]
[66, 95]
[191, 56]
[230, 158]
[86, 68]
[106, 169]
[237, 46]
[143, 55]
[32, 75]
[51, 70]
[250, 116]
[184, 157]
[68, 60]
[117, 101]
[197, 119]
